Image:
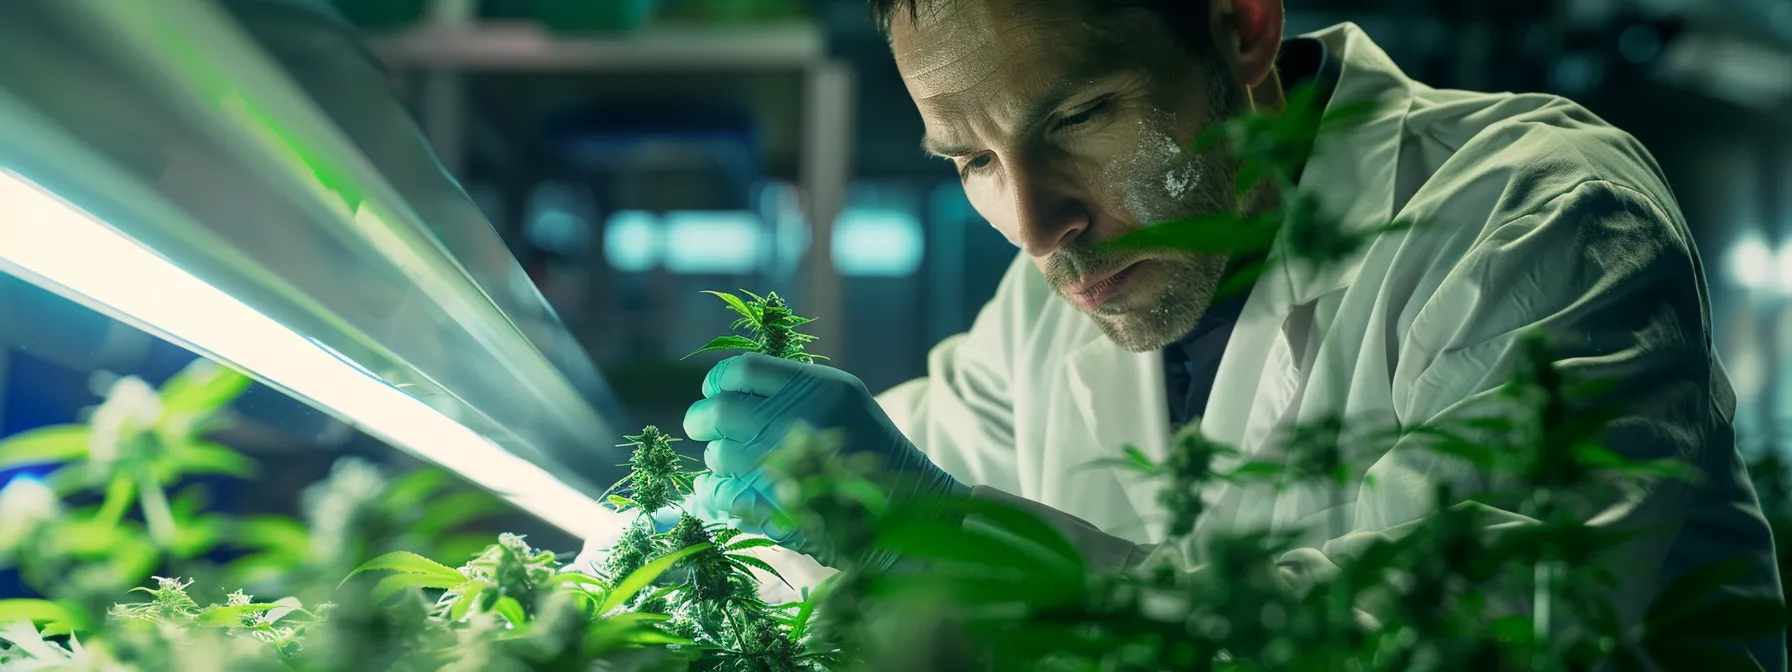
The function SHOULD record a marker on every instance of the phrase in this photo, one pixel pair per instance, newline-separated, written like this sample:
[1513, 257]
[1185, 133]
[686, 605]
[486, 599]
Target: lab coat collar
[1353, 168]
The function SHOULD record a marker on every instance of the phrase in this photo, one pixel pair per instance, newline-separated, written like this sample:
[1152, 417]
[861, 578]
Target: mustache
[1069, 265]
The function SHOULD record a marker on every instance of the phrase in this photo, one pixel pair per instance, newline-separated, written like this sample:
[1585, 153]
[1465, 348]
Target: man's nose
[1050, 211]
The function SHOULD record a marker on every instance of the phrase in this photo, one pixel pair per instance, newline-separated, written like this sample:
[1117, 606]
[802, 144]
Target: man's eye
[974, 164]
[1084, 116]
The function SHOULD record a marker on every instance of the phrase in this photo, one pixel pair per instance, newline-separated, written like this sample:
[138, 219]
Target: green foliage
[772, 325]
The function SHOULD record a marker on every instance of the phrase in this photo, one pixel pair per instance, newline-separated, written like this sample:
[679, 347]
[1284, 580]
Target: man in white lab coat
[1065, 119]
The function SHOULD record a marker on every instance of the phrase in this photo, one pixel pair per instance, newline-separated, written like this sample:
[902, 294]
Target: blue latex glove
[751, 401]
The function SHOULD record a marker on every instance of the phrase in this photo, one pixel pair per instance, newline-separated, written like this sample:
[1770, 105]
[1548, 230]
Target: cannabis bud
[512, 569]
[772, 325]
[634, 549]
[654, 479]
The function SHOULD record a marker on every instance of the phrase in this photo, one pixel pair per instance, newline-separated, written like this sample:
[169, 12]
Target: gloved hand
[751, 401]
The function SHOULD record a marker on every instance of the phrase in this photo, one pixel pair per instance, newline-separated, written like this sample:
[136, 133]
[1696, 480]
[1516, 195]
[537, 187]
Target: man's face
[1069, 132]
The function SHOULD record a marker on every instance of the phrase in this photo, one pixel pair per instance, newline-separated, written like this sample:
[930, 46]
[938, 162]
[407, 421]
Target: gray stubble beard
[1192, 279]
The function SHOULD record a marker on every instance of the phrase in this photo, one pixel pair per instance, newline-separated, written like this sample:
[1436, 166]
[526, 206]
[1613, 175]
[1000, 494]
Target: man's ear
[1248, 32]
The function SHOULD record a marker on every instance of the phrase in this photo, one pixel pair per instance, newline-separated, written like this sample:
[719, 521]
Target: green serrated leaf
[760, 565]
[406, 562]
[575, 578]
[1213, 234]
[735, 303]
[727, 343]
[748, 542]
[635, 581]
[391, 585]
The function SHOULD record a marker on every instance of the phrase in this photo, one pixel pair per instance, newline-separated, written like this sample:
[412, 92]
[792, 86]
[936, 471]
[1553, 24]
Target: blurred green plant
[421, 511]
[139, 441]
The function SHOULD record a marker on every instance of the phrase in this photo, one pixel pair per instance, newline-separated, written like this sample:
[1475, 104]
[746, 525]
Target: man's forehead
[956, 44]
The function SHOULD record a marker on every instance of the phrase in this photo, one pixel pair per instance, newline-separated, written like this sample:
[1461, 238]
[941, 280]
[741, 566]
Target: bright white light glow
[719, 243]
[49, 241]
[1752, 263]
[877, 242]
[632, 241]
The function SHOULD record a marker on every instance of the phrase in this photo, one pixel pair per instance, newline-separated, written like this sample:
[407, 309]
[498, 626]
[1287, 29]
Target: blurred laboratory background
[632, 153]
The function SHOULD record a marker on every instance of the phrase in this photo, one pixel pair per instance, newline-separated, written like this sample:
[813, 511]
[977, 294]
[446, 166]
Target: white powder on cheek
[1154, 181]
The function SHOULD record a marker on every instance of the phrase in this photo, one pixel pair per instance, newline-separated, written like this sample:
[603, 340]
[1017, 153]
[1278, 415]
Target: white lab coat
[1536, 215]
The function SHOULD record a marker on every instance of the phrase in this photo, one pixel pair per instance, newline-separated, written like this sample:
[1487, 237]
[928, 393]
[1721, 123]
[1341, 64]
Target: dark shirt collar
[1193, 360]
[1300, 60]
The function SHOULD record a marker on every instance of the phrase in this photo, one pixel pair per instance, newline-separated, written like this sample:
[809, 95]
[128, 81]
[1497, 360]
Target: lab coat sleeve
[961, 414]
[1611, 281]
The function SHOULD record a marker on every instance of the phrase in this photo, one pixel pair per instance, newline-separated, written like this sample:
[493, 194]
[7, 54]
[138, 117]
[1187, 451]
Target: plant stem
[119, 493]
[156, 513]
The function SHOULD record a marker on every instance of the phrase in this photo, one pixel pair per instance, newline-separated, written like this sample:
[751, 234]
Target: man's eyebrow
[1035, 115]
[943, 149]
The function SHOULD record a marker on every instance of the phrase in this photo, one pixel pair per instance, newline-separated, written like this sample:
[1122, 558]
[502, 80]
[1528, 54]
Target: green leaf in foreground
[405, 562]
[634, 582]
[36, 611]
[61, 443]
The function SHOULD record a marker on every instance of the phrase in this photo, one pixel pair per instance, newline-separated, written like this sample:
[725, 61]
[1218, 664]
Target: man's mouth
[1096, 290]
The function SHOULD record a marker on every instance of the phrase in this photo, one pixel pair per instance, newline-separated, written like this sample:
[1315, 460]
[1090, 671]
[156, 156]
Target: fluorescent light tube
[55, 244]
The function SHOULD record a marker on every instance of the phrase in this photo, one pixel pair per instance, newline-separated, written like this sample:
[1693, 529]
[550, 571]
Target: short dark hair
[1187, 20]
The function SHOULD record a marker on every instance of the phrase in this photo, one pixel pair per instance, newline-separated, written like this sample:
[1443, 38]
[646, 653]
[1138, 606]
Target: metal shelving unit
[451, 43]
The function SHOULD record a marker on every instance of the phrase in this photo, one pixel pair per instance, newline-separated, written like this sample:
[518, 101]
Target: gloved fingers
[743, 504]
[733, 459]
[751, 373]
[731, 415]
[753, 509]
[713, 497]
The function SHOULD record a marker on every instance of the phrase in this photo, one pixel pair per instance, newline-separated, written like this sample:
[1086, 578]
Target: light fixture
[880, 242]
[712, 242]
[1752, 263]
[632, 241]
[52, 243]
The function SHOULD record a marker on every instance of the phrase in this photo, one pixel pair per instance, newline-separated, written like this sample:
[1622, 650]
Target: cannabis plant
[771, 325]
